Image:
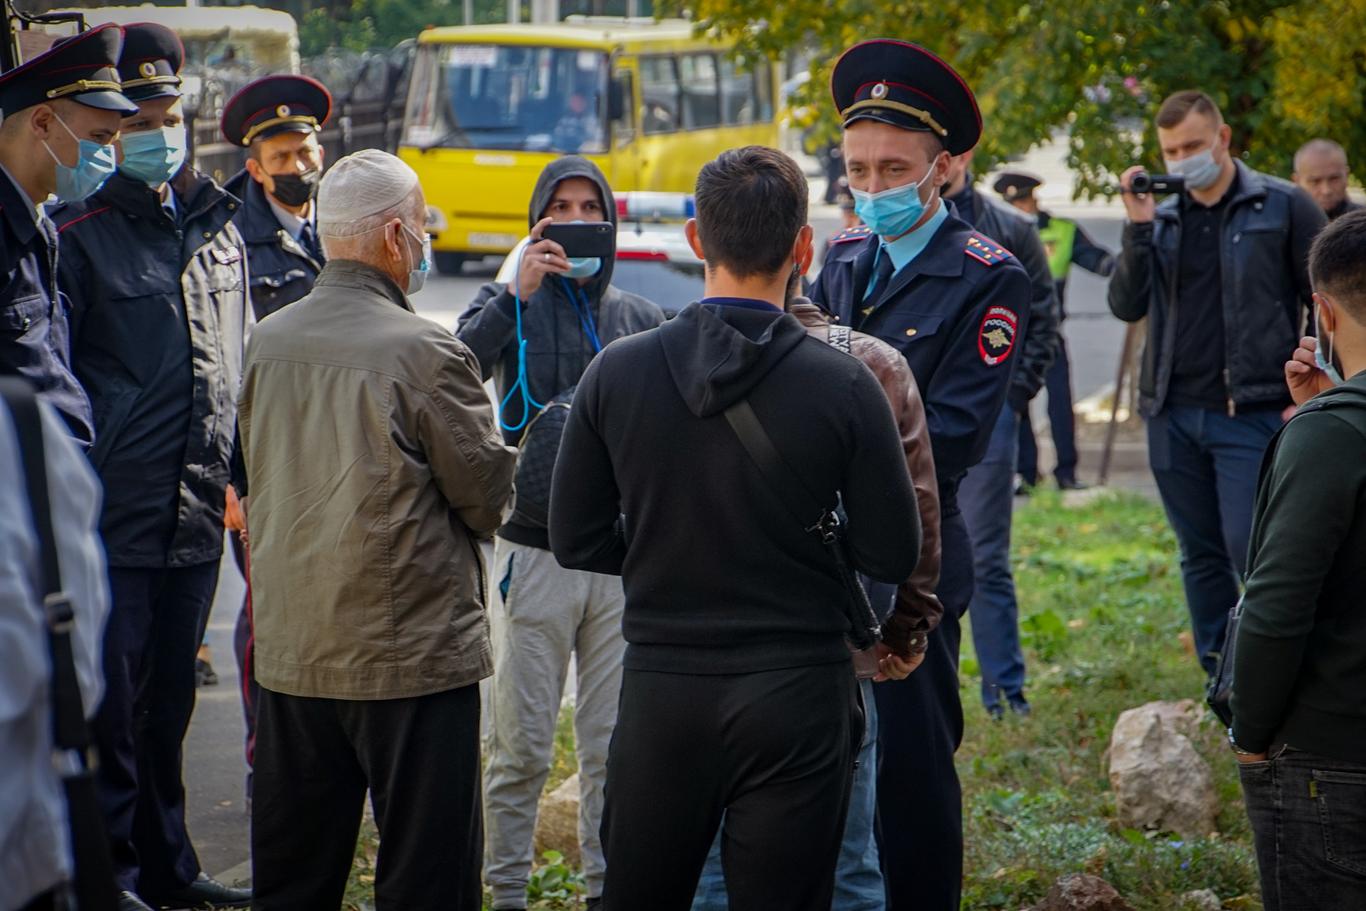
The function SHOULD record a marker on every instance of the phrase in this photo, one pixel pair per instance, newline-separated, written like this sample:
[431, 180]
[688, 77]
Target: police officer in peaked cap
[277, 120]
[956, 305]
[60, 115]
[154, 272]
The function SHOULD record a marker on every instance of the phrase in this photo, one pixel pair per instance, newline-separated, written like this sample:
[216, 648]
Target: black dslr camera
[1157, 184]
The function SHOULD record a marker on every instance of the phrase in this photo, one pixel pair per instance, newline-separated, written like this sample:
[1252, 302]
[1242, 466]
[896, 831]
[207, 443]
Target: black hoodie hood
[717, 353]
[555, 173]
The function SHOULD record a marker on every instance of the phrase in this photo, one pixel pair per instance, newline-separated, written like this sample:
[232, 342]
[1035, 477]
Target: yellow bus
[489, 106]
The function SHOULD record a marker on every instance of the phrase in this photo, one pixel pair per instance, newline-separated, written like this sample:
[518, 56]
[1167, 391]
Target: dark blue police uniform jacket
[35, 332]
[281, 270]
[955, 313]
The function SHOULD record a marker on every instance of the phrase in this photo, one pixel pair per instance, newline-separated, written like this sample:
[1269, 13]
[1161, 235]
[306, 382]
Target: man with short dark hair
[1321, 171]
[738, 687]
[1299, 724]
[1219, 272]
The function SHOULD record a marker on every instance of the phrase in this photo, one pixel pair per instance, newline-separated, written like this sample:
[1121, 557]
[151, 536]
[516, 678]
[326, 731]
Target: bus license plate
[487, 239]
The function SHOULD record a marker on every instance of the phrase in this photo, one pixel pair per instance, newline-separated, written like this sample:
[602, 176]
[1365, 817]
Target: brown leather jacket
[917, 607]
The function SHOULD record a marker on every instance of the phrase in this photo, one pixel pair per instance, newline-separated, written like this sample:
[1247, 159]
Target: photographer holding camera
[1220, 270]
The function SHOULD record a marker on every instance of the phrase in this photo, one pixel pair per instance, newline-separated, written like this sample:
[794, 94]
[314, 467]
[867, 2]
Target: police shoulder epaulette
[857, 232]
[985, 250]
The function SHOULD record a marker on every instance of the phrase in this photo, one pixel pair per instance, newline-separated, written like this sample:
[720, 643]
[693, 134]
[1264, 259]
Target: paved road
[215, 768]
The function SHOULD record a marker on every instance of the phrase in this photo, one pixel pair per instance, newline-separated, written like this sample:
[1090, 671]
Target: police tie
[882, 275]
[308, 239]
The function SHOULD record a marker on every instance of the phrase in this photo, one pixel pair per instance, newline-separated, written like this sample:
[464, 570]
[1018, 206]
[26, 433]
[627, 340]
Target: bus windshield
[485, 96]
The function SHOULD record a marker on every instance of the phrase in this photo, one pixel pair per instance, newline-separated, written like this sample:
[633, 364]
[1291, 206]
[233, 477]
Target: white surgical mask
[1200, 169]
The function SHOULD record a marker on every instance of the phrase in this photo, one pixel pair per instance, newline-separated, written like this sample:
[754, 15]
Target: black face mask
[296, 189]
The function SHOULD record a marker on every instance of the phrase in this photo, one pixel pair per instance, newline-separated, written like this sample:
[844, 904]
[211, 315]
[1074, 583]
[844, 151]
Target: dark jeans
[1062, 424]
[774, 750]
[920, 720]
[985, 496]
[419, 758]
[1308, 816]
[149, 651]
[1206, 465]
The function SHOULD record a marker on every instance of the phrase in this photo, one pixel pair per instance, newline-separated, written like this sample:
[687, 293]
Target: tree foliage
[1283, 72]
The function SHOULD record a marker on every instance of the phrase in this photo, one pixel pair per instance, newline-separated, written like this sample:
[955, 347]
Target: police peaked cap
[273, 105]
[82, 68]
[151, 61]
[1014, 185]
[902, 84]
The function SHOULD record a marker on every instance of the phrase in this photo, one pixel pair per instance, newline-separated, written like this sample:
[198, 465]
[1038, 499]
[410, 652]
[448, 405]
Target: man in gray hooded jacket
[544, 612]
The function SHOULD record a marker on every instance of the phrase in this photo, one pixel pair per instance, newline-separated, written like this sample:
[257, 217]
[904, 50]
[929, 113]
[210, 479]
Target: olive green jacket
[374, 466]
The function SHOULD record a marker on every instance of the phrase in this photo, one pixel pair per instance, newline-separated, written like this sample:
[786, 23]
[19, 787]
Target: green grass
[1104, 628]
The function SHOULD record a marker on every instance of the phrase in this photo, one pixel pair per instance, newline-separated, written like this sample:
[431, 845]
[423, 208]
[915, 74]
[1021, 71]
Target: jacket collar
[349, 273]
[258, 223]
[197, 195]
[19, 215]
[1251, 185]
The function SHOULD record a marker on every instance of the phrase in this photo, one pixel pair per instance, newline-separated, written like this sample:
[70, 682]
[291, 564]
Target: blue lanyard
[522, 385]
[584, 309]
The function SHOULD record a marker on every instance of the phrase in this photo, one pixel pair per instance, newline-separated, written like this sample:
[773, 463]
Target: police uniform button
[208, 234]
[1237, 237]
[28, 321]
[911, 332]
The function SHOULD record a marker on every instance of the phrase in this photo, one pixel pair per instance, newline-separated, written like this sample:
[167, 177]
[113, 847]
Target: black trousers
[314, 760]
[149, 650]
[774, 750]
[920, 722]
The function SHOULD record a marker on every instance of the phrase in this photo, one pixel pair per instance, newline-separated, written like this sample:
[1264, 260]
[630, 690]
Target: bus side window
[659, 94]
[737, 93]
[622, 108]
[701, 97]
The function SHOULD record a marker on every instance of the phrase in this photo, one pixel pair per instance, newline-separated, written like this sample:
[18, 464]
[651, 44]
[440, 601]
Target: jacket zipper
[1228, 390]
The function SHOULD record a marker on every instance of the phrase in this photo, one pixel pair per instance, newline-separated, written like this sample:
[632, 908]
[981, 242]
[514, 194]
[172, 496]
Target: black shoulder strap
[774, 468]
[94, 879]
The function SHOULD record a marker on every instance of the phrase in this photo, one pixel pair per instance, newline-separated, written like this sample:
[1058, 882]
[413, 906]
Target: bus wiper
[465, 131]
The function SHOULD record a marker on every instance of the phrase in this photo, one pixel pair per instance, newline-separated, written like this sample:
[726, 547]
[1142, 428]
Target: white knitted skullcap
[362, 184]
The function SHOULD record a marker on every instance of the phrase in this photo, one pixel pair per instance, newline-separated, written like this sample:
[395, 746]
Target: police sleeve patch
[996, 335]
[857, 232]
[985, 250]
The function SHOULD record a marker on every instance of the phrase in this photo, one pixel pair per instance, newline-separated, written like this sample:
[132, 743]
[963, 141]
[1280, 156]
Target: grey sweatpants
[541, 614]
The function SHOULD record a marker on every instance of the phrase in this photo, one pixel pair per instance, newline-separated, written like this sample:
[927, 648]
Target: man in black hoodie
[738, 690]
[544, 612]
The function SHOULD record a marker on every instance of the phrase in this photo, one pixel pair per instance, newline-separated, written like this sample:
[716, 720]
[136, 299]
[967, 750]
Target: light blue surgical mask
[417, 276]
[154, 156]
[1200, 169]
[584, 266]
[94, 164]
[891, 213]
[1324, 360]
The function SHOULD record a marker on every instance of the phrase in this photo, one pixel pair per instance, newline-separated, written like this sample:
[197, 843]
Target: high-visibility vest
[1058, 238]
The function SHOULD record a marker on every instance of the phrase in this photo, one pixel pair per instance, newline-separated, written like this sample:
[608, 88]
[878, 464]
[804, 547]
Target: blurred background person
[1321, 171]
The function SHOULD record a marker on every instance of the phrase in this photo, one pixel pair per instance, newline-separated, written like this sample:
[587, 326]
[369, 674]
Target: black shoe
[1072, 484]
[205, 891]
[130, 902]
[1023, 488]
[594, 902]
[997, 712]
[1020, 706]
[204, 674]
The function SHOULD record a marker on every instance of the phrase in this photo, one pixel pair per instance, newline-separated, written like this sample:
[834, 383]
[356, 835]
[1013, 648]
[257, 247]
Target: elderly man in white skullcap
[374, 466]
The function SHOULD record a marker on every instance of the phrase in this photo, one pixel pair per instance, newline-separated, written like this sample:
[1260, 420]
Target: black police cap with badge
[904, 85]
[274, 105]
[151, 61]
[1013, 185]
[82, 68]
